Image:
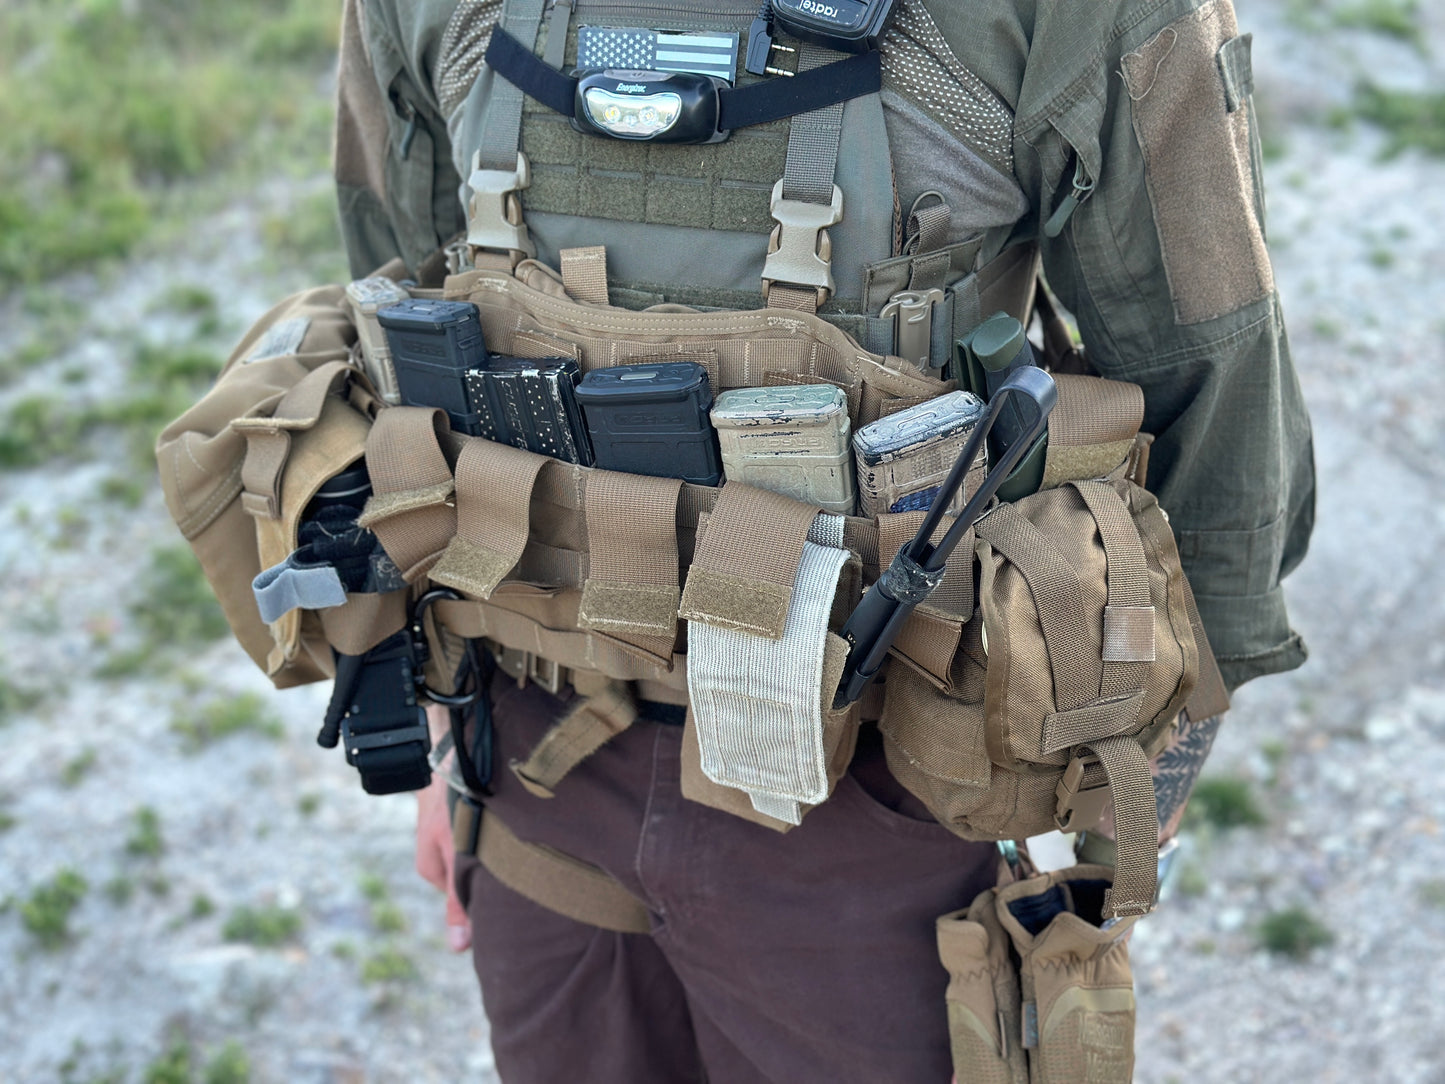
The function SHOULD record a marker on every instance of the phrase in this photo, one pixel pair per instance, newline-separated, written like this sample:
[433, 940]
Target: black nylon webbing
[739, 107]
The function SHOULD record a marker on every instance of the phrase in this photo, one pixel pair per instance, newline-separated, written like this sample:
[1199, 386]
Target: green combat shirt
[1130, 155]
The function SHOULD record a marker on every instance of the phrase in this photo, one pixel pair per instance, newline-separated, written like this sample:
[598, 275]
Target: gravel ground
[1345, 756]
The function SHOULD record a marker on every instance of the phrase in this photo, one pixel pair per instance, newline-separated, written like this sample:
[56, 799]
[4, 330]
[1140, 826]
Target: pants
[779, 958]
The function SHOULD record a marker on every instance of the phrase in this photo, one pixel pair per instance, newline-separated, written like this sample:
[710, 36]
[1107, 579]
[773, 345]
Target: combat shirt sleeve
[1163, 261]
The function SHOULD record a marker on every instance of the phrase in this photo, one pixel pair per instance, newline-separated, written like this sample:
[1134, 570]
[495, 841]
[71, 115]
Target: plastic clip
[494, 213]
[800, 253]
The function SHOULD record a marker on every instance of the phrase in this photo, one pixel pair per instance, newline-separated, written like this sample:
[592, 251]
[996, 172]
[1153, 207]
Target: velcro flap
[384, 506]
[638, 608]
[1100, 719]
[632, 584]
[1091, 430]
[472, 569]
[747, 561]
[1128, 633]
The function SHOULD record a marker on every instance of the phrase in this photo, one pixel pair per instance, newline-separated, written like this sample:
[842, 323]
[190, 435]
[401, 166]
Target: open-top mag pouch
[1040, 987]
[288, 413]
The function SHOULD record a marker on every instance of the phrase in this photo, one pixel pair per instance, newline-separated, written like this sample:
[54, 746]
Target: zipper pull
[409, 114]
[1083, 188]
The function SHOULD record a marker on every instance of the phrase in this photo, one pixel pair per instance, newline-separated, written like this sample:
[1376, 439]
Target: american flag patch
[714, 53]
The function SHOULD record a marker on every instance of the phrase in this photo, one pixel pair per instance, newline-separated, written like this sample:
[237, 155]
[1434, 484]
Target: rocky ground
[243, 901]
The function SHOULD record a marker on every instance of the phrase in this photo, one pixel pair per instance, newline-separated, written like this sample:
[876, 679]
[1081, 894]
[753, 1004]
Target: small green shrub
[1412, 119]
[74, 770]
[46, 914]
[1224, 803]
[145, 839]
[37, 429]
[1293, 932]
[264, 927]
[174, 1066]
[1393, 18]
[175, 604]
[230, 1065]
[243, 713]
[388, 965]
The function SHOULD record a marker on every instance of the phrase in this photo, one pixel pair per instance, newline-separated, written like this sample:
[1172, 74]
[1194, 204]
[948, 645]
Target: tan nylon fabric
[584, 273]
[494, 497]
[580, 733]
[557, 881]
[1136, 826]
[411, 485]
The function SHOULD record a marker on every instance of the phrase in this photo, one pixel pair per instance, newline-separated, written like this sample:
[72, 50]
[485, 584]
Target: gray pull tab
[912, 312]
[1083, 188]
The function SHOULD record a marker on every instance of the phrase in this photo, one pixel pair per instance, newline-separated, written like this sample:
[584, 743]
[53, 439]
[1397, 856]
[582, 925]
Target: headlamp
[650, 106]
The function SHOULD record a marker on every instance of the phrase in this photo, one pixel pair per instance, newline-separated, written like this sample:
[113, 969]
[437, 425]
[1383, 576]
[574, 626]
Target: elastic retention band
[740, 107]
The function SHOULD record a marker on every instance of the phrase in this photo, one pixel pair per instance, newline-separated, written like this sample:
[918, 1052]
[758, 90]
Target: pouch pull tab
[1083, 187]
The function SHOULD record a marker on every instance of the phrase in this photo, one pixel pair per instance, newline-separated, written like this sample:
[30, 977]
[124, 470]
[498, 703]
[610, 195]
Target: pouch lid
[794, 405]
[423, 312]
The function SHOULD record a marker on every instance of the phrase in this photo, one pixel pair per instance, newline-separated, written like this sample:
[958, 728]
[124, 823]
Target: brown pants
[779, 958]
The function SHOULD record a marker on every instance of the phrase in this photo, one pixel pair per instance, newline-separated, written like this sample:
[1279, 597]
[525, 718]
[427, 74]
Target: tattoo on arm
[1176, 769]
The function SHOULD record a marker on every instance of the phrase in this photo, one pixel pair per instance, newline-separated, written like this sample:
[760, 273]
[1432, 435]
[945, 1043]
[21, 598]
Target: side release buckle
[800, 252]
[494, 213]
[912, 312]
[1080, 805]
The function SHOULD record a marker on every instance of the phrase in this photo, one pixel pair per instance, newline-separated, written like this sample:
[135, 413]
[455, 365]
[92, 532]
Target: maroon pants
[779, 958]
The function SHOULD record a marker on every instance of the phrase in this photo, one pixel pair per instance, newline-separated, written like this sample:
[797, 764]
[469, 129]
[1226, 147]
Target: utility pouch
[1040, 989]
[1075, 984]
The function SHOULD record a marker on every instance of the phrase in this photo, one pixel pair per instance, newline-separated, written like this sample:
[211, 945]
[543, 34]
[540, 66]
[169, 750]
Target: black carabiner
[471, 663]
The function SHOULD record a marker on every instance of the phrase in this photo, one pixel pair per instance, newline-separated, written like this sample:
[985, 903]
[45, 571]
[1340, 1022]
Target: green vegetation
[119, 890]
[1293, 932]
[46, 914]
[230, 1065]
[264, 927]
[1393, 18]
[8, 820]
[74, 770]
[37, 428]
[107, 105]
[175, 604]
[1224, 804]
[308, 804]
[1432, 893]
[145, 839]
[242, 713]
[388, 965]
[172, 1067]
[178, 1065]
[386, 916]
[15, 700]
[1411, 119]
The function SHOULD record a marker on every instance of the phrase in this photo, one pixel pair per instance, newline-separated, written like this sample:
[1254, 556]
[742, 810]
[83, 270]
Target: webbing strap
[813, 140]
[1092, 429]
[502, 131]
[1059, 599]
[594, 722]
[742, 574]
[494, 500]
[632, 585]
[1128, 645]
[411, 486]
[1136, 826]
[268, 437]
[584, 273]
[547, 877]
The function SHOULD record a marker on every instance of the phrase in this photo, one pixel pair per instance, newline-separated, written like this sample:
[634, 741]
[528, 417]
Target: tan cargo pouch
[1040, 987]
[548, 877]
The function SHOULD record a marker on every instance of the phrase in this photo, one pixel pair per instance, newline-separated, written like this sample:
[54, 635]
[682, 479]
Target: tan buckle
[800, 252]
[912, 312]
[494, 214]
[545, 674]
[1079, 809]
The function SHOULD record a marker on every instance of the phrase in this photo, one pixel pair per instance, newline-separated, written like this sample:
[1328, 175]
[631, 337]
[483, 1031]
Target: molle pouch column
[762, 663]
[1075, 983]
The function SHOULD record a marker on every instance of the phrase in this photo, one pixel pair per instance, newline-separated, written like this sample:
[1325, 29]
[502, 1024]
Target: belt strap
[501, 137]
[547, 877]
[494, 500]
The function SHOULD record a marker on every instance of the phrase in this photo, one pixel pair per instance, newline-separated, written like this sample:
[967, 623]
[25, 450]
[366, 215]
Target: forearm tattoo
[1176, 769]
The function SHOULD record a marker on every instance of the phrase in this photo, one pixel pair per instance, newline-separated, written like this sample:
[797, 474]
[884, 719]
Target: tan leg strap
[411, 483]
[594, 722]
[548, 877]
[494, 500]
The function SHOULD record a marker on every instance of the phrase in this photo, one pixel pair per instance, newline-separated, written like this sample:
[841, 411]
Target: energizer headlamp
[660, 107]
